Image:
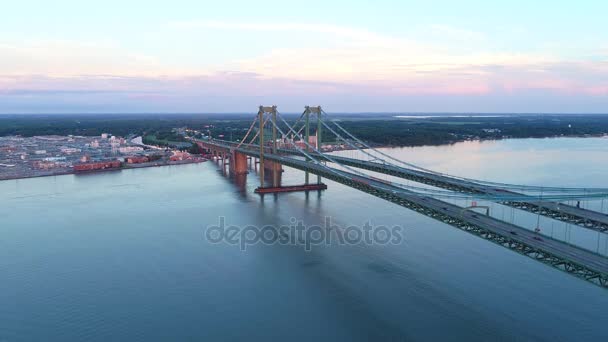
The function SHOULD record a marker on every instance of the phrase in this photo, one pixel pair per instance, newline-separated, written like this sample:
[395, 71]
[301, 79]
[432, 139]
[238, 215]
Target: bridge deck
[586, 218]
[559, 211]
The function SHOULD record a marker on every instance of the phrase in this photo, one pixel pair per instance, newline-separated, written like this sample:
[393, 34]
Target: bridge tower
[263, 110]
[307, 137]
[276, 168]
[272, 164]
[307, 111]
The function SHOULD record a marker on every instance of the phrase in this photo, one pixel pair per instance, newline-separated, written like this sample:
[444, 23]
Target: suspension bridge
[273, 142]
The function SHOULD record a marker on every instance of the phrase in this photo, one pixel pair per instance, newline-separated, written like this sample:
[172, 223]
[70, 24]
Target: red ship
[104, 165]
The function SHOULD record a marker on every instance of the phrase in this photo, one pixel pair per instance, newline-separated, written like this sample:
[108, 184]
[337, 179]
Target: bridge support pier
[291, 188]
[238, 163]
[272, 166]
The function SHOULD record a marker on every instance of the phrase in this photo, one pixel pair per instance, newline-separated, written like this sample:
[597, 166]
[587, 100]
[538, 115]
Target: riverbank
[604, 135]
[124, 167]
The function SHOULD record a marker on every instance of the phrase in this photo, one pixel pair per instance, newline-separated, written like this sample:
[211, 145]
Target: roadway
[559, 211]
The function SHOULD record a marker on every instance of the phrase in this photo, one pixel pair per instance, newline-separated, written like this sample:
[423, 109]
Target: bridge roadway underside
[558, 211]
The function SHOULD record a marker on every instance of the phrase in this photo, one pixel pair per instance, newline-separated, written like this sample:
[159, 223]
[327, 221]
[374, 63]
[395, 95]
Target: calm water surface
[122, 256]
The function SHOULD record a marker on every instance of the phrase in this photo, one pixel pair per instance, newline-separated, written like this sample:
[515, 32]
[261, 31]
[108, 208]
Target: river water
[123, 256]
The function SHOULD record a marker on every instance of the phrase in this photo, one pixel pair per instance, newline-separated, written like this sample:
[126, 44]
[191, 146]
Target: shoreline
[72, 172]
[604, 135]
[141, 166]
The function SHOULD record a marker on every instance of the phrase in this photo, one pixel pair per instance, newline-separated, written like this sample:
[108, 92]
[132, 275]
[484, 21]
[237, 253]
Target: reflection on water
[122, 256]
[550, 162]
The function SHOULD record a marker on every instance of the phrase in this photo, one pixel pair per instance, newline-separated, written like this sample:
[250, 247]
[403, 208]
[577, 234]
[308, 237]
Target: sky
[348, 56]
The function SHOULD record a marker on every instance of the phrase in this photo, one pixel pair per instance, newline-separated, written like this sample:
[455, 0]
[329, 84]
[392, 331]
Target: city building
[179, 156]
[70, 150]
[130, 149]
[137, 159]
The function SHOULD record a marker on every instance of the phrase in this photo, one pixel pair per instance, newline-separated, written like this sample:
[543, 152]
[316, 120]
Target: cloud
[356, 64]
[216, 84]
[69, 58]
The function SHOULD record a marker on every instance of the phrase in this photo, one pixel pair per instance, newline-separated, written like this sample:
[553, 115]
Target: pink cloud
[599, 90]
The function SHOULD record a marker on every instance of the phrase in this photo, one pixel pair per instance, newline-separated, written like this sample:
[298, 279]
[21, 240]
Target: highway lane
[594, 220]
[557, 248]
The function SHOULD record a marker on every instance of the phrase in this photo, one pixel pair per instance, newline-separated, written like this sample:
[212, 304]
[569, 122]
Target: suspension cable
[441, 193]
[412, 190]
[248, 131]
[477, 182]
